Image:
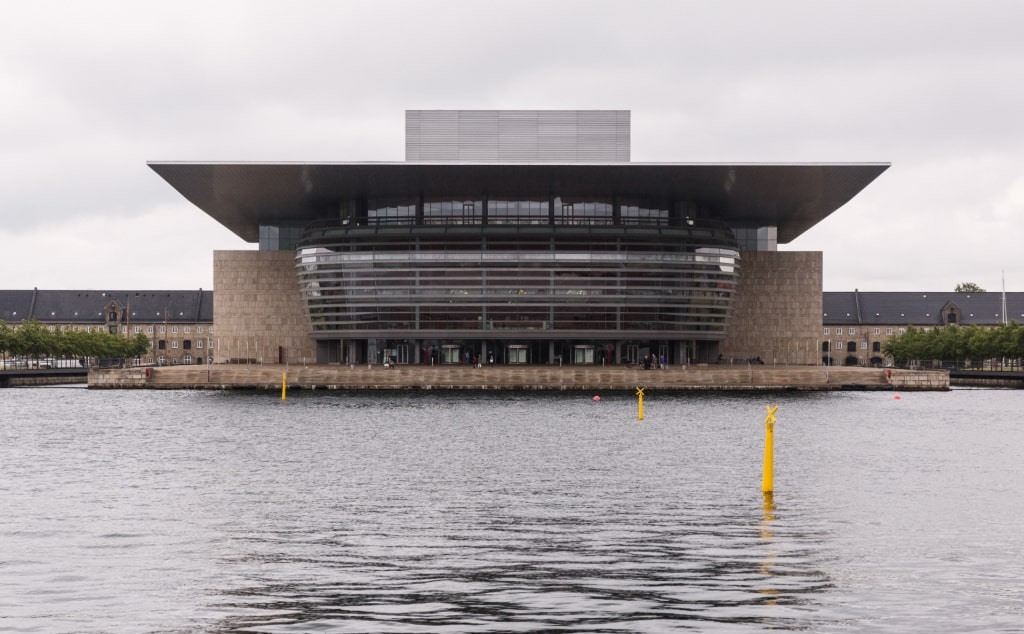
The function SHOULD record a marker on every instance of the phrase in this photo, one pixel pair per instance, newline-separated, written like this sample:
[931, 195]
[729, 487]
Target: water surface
[141, 511]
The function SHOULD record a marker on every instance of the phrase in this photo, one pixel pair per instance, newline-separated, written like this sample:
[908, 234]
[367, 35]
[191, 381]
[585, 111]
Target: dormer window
[950, 314]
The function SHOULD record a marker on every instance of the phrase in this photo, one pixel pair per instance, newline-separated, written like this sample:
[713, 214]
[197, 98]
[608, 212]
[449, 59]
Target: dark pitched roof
[15, 306]
[64, 306]
[917, 308]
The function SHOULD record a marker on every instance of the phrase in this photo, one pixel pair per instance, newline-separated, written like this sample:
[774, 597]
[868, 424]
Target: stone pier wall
[549, 377]
[927, 380]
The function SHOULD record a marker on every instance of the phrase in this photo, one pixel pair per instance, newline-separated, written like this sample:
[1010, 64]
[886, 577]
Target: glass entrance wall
[562, 280]
[549, 279]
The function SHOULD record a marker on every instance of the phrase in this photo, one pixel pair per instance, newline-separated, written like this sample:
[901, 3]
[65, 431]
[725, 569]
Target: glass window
[826, 330]
[583, 212]
[517, 212]
[853, 331]
[188, 329]
[888, 331]
[391, 212]
[453, 212]
[174, 345]
[644, 213]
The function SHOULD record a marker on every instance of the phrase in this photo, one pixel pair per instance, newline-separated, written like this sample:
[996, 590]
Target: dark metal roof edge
[884, 164]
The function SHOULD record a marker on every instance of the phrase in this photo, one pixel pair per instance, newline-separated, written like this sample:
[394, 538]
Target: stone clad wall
[259, 308]
[778, 310]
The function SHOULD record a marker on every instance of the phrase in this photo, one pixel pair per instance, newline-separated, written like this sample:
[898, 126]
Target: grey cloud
[90, 91]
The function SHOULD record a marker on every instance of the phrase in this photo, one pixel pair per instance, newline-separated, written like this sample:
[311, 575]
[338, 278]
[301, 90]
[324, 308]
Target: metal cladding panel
[518, 136]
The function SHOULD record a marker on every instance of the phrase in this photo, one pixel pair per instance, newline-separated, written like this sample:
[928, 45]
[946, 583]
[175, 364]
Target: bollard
[284, 385]
[640, 403]
[768, 479]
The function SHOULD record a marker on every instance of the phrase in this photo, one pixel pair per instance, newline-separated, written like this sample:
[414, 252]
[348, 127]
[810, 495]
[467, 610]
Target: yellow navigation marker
[768, 479]
[640, 403]
[284, 385]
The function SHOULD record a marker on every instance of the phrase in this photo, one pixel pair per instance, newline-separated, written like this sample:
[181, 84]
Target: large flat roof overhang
[792, 197]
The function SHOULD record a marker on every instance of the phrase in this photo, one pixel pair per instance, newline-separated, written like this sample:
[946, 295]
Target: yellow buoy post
[284, 385]
[640, 403]
[768, 479]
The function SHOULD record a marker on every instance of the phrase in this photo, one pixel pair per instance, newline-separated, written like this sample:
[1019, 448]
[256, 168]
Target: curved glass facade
[512, 272]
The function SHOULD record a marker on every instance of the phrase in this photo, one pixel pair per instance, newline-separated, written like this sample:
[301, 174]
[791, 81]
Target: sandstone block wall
[778, 308]
[258, 308]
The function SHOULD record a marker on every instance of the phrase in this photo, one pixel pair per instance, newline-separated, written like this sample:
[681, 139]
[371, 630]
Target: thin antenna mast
[1004, 296]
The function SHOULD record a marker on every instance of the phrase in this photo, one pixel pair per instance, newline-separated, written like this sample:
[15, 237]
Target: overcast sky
[90, 91]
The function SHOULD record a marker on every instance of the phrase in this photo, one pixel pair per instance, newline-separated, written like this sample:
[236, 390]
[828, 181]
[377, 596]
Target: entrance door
[403, 353]
[515, 354]
[450, 354]
[632, 353]
[583, 355]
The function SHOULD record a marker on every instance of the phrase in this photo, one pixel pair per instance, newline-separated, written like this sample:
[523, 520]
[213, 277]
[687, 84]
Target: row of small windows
[124, 329]
[499, 211]
[874, 331]
[851, 346]
[186, 344]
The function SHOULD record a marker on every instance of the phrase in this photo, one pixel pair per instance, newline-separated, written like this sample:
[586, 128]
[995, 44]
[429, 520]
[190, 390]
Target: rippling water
[135, 511]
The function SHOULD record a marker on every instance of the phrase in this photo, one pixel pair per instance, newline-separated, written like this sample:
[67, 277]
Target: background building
[179, 324]
[856, 325]
[522, 236]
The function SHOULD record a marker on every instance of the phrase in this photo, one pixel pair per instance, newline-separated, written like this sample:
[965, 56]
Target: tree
[34, 340]
[6, 338]
[968, 287]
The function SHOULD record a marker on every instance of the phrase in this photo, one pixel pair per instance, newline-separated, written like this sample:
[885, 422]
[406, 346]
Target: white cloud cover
[90, 91]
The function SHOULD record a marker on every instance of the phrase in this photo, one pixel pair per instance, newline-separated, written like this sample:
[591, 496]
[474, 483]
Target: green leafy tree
[968, 287]
[958, 344]
[6, 338]
[138, 345]
[34, 340]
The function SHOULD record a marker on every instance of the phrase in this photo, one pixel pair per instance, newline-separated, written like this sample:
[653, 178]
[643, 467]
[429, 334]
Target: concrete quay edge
[538, 378]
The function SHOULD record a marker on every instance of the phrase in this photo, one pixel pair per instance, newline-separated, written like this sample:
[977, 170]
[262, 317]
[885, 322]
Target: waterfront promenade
[527, 377]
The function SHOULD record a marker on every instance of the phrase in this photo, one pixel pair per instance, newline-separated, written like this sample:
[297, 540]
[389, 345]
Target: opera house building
[517, 237]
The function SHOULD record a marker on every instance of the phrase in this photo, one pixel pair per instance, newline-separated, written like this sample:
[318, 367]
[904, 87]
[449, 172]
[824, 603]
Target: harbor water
[181, 511]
